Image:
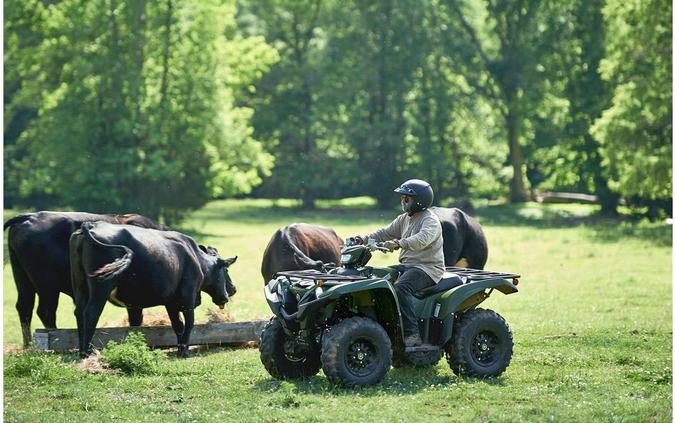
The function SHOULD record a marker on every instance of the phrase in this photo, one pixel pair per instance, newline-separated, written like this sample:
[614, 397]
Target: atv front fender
[376, 293]
[273, 298]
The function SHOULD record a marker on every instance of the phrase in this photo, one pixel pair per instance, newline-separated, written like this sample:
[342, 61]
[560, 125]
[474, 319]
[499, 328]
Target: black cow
[300, 246]
[464, 243]
[142, 267]
[38, 253]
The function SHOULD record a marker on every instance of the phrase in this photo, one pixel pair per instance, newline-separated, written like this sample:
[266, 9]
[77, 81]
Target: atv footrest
[422, 348]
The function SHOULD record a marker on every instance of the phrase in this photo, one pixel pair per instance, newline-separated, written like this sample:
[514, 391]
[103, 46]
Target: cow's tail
[16, 219]
[115, 268]
[301, 259]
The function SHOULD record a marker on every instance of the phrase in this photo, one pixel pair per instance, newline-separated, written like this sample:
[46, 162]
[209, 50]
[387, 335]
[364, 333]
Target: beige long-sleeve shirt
[421, 240]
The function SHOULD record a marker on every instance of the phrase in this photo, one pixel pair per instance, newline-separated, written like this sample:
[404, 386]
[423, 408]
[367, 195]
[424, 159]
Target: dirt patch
[93, 364]
[12, 349]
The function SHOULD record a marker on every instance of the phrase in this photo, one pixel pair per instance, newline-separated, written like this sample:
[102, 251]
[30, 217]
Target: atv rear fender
[462, 298]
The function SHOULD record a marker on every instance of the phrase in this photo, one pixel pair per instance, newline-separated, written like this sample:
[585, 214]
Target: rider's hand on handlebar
[357, 240]
[391, 245]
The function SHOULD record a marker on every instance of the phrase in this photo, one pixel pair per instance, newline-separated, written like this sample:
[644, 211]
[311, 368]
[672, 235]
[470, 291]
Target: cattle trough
[155, 336]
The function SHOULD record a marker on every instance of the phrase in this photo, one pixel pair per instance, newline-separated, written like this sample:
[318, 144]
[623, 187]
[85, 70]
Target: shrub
[132, 355]
[35, 364]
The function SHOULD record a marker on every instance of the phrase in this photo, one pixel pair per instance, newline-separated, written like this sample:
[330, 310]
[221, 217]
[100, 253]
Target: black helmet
[421, 193]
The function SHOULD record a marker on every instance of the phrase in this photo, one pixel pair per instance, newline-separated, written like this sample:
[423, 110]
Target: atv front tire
[481, 345]
[277, 362]
[356, 352]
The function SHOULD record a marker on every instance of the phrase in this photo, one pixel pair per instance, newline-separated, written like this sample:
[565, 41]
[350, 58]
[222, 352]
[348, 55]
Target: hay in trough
[160, 318]
[216, 315]
[150, 318]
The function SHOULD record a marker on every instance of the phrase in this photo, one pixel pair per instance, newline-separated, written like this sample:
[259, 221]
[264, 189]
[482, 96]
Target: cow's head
[218, 283]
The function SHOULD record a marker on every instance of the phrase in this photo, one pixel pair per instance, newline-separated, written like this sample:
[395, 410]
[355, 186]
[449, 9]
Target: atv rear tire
[277, 362]
[356, 352]
[416, 359]
[481, 345]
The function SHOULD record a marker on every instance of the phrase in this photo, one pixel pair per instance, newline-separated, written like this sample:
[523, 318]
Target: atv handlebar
[372, 245]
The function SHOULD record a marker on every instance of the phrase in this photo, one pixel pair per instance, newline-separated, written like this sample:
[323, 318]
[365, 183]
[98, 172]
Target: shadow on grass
[403, 381]
[604, 229]
[531, 215]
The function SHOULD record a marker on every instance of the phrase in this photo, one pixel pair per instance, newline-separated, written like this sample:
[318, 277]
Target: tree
[449, 125]
[288, 113]
[137, 107]
[23, 37]
[635, 132]
[375, 49]
[564, 152]
[498, 42]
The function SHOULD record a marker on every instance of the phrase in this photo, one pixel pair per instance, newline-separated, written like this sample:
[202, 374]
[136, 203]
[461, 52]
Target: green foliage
[564, 156]
[157, 107]
[636, 131]
[132, 356]
[137, 107]
[40, 366]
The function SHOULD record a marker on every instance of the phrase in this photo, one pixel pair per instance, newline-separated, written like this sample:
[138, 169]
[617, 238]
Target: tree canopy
[158, 107]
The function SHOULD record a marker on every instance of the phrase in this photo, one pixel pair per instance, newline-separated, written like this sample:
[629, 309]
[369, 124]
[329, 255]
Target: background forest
[158, 107]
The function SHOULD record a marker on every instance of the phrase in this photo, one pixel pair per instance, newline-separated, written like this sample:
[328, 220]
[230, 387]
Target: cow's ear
[201, 247]
[227, 262]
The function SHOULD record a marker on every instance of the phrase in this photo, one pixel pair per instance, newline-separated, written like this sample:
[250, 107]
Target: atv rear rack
[316, 275]
[480, 275]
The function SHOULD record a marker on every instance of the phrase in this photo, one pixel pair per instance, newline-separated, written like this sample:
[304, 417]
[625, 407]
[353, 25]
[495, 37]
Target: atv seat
[447, 282]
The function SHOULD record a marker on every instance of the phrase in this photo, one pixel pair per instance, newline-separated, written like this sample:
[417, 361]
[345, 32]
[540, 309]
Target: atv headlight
[345, 258]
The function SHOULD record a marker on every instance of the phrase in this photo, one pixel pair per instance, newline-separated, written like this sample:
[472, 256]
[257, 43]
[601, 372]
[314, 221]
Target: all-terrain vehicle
[346, 320]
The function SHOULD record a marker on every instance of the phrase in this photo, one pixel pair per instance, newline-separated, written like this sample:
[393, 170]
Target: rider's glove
[358, 240]
[391, 245]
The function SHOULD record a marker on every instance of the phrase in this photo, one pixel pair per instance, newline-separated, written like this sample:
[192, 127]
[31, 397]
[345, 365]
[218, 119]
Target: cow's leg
[99, 294]
[24, 306]
[25, 297]
[135, 316]
[176, 323]
[80, 297]
[184, 339]
[48, 301]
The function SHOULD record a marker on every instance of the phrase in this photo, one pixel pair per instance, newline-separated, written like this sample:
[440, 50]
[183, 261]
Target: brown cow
[300, 246]
[38, 253]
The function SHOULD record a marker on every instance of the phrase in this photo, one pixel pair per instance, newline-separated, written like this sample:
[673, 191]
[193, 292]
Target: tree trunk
[609, 201]
[517, 192]
[165, 60]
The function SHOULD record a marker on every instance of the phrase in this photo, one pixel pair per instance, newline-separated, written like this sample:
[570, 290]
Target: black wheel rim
[290, 356]
[361, 357]
[485, 348]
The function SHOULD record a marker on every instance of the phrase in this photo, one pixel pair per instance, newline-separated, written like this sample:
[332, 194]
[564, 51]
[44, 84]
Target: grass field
[592, 327]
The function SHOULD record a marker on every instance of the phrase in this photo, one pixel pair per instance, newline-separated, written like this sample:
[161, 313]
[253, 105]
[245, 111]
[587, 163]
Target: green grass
[592, 326]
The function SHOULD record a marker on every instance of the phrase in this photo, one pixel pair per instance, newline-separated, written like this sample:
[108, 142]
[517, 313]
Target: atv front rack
[316, 275]
[480, 275]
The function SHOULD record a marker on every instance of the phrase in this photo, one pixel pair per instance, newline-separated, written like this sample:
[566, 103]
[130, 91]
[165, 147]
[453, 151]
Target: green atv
[346, 320]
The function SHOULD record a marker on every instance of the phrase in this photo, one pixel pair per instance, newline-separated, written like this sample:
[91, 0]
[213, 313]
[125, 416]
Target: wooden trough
[156, 336]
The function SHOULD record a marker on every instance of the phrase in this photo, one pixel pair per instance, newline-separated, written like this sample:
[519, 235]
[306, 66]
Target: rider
[417, 232]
